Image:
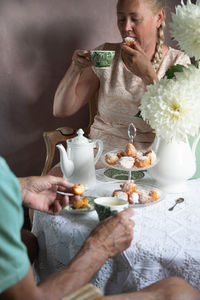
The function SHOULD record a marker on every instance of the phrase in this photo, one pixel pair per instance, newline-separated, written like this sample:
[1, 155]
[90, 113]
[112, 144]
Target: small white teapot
[78, 162]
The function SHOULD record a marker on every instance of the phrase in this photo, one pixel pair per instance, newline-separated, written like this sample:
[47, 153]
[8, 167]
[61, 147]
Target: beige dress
[119, 99]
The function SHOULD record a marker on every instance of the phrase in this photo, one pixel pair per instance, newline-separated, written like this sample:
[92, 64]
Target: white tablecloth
[166, 243]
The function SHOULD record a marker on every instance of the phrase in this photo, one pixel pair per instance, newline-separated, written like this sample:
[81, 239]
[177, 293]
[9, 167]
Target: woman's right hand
[81, 59]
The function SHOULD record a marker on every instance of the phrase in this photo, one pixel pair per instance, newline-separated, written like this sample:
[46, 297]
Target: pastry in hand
[130, 150]
[80, 203]
[129, 41]
[111, 158]
[142, 162]
[78, 189]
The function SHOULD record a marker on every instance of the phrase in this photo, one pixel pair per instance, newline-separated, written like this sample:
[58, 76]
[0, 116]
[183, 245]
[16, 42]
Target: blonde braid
[159, 46]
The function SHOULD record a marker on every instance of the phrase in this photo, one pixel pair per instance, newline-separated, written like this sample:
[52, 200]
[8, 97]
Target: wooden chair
[52, 138]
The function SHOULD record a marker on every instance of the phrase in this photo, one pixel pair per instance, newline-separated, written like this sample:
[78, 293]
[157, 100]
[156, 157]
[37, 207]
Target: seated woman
[121, 87]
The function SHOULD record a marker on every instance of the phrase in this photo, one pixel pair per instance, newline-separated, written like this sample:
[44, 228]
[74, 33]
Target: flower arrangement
[172, 106]
[185, 27]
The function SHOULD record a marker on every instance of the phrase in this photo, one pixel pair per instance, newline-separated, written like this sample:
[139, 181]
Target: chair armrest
[51, 138]
[88, 292]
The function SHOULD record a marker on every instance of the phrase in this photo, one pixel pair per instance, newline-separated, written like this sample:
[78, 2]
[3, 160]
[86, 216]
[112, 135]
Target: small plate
[123, 175]
[83, 210]
[124, 169]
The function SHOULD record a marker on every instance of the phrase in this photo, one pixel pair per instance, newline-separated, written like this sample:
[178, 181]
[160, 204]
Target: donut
[154, 194]
[129, 41]
[120, 195]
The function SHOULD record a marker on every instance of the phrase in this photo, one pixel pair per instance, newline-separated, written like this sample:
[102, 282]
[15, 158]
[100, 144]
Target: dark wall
[37, 41]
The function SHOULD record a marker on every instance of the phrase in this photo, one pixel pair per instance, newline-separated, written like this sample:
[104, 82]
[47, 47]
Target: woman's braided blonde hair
[156, 6]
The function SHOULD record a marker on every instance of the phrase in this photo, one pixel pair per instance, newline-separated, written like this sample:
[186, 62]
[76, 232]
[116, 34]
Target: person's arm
[112, 236]
[40, 192]
[78, 86]
[138, 63]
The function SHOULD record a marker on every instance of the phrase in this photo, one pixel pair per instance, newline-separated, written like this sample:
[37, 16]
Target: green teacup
[107, 206]
[102, 58]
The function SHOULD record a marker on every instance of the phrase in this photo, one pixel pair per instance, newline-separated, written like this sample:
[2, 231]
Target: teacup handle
[100, 150]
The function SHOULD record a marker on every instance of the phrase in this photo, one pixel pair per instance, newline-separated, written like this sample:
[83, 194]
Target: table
[166, 243]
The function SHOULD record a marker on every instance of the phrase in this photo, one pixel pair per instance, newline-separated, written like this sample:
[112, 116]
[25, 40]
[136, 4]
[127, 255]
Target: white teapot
[78, 162]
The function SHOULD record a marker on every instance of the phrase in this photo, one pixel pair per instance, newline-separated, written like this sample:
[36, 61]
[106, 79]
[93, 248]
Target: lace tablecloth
[166, 243]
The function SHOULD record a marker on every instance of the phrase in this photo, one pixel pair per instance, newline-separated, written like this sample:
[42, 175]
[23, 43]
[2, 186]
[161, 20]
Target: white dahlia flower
[172, 106]
[185, 27]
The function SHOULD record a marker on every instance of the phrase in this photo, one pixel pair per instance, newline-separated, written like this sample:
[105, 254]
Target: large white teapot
[78, 162]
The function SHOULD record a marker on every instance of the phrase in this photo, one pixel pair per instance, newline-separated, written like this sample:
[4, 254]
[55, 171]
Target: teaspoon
[179, 200]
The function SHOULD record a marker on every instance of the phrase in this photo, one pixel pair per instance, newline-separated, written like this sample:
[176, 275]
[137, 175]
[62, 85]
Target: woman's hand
[40, 193]
[138, 63]
[81, 59]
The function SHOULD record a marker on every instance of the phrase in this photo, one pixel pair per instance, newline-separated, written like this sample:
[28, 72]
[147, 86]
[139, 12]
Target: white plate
[83, 210]
[106, 189]
[124, 169]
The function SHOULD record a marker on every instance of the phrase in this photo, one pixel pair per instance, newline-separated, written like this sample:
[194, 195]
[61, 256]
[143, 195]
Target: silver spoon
[179, 200]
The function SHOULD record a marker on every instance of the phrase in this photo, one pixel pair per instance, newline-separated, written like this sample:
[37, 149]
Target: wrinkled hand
[138, 63]
[40, 193]
[112, 235]
[81, 59]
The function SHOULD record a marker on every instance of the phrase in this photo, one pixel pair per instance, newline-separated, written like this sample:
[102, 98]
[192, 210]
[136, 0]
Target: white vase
[176, 164]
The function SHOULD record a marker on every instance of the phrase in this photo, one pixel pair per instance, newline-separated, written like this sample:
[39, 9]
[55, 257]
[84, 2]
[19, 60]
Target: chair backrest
[51, 138]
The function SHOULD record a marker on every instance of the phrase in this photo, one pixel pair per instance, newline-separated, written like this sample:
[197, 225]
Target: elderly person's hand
[138, 63]
[40, 193]
[81, 59]
[112, 235]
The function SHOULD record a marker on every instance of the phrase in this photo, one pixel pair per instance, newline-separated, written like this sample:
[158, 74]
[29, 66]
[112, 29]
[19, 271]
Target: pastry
[126, 162]
[129, 187]
[151, 156]
[142, 162]
[133, 198]
[129, 41]
[120, 194]
[154, 194]
[80, 203]
[111, 158]
[78, 189]
[130, 150]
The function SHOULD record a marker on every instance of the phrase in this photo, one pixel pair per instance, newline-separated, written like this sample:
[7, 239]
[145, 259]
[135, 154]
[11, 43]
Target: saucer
[123, 175]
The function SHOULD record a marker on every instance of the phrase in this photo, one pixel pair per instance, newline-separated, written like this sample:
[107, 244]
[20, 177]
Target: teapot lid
[79, 139]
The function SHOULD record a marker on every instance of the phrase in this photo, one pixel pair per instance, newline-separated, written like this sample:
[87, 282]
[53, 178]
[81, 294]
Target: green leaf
[172, 70]
[138, 115]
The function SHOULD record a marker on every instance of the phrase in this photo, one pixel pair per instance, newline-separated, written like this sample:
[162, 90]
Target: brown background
[37, 39]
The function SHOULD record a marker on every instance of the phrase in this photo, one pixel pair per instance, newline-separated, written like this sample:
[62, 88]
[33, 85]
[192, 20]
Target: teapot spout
[67, 165]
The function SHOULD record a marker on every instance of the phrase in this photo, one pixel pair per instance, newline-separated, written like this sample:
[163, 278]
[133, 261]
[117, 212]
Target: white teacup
[106, 206]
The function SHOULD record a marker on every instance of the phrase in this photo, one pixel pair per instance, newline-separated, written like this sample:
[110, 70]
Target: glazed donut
[129, 41]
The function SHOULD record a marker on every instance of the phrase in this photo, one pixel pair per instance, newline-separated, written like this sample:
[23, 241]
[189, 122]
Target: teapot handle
[100, 150]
